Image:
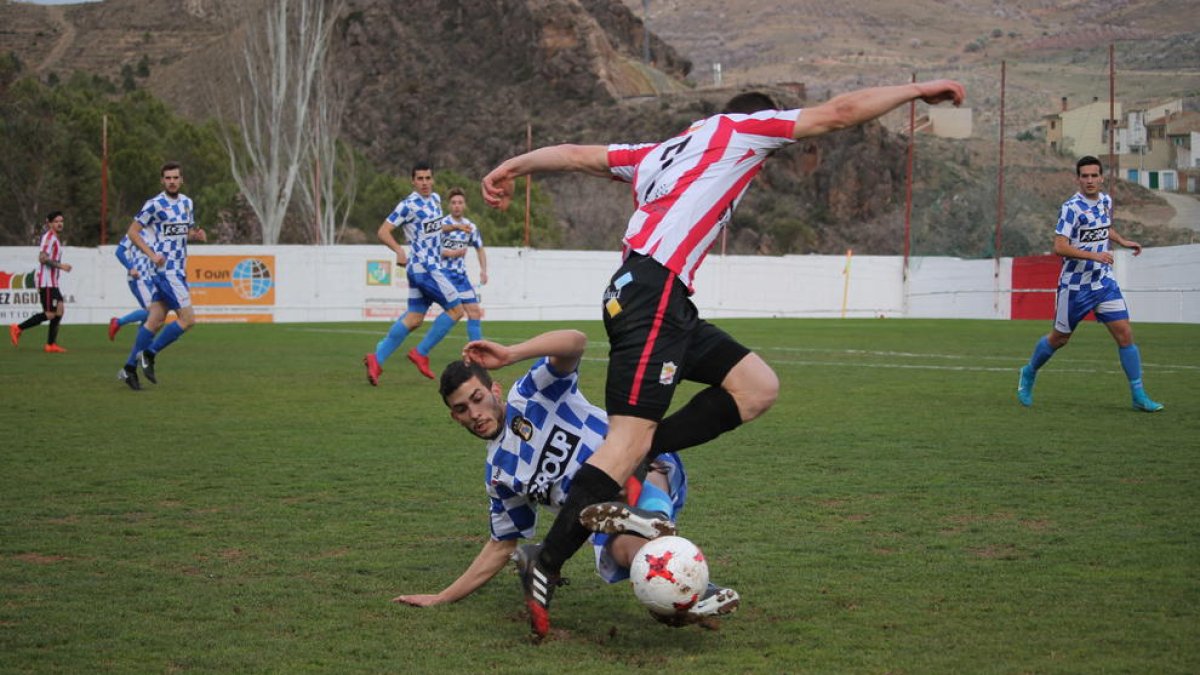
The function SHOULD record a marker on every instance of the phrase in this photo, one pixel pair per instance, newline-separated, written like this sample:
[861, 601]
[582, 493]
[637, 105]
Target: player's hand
[158, 259]
[133, 274]
[482, 278]
[199, 235]
[939, 91]
[490, 355]
[497, 188]
[1105, 257]
[1134, 246]
[66, 267]
[417, 600]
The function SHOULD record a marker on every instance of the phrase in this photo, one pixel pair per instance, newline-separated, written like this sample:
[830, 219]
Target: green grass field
[897, 511]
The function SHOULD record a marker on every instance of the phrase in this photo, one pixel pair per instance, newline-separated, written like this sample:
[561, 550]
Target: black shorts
[656, 339]
[51, 298]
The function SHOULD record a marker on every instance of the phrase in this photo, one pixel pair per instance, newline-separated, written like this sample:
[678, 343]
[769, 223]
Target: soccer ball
[669, 575]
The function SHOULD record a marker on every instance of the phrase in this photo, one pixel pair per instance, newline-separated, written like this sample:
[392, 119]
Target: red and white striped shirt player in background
[50, 266]
[685, 190]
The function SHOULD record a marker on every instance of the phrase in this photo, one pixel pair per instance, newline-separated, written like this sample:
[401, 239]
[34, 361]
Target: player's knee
[756, 389]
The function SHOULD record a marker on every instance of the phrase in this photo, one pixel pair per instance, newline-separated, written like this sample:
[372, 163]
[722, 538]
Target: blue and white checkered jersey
[1085, 224]
[132, 258]
[550, 430]
[169, 221]
[421, 218]
[457, 240]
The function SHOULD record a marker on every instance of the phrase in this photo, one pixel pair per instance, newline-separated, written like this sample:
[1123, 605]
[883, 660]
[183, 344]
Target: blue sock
[654, 499]
[166, 336]
[392, 341]
[1041, 353]
[138, 315]
[441, 326]
[1131, 362]
[474, 329]
[140, 343]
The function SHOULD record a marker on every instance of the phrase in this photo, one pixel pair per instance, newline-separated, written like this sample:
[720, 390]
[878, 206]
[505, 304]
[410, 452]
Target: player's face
[172, 181]
[56, 224]
[477, 408]
[458, 206]
[423, 182]
[1090, 181]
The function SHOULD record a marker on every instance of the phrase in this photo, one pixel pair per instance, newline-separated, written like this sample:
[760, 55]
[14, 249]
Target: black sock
[53, 337]
[32, 321]
[567, 535]
[709, 414]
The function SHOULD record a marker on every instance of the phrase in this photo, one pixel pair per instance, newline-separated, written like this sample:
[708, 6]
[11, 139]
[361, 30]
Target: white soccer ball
[669, 575]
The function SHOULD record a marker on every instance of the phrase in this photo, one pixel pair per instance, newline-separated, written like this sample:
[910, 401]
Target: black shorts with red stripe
[51, 298]
[657, 339]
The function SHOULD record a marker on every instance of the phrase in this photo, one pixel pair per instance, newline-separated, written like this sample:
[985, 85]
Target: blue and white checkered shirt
[169, 221]
[1085, 224]
[133, 259]
[457, 240]
[421, 219]
[550, 430]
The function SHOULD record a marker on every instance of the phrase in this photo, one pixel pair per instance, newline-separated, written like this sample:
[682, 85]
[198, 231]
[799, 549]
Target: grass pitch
[897, 511]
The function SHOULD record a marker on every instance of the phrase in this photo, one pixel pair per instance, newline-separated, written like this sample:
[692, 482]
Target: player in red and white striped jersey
[50, 266]
[685, 189]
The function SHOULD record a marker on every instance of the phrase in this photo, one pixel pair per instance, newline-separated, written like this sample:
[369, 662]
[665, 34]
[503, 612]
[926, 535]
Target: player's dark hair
[420, 166]
[749, 103]
[455, 192]
[457, 372]
[169, 166]
[52, 215]
[1088, 161]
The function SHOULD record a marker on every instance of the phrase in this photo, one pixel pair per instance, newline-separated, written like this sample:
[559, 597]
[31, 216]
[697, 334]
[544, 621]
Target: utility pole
[646, 31]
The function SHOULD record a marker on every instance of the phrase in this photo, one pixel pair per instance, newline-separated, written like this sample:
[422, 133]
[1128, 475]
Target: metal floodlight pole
[104, 181]
[1112, 122]
[646, 31]
[908, 181]
[528, 180]
[999, 192]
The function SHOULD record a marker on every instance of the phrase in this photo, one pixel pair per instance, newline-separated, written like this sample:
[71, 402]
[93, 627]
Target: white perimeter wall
[330, 284]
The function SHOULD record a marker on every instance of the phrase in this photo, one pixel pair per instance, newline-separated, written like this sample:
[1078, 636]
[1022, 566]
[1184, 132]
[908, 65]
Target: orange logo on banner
[231, 279]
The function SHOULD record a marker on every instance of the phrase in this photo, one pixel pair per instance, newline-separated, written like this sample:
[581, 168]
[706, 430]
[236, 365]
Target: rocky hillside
[458, 83]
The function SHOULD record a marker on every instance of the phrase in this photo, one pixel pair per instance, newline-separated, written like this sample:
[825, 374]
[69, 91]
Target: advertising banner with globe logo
[232, 288]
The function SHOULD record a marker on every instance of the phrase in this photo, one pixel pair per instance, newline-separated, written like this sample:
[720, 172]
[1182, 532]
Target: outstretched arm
[858, 107]
[564, 348]
[491, 559]
[1063, 247]
[498, 185]
[389, 240]
[1127, 243]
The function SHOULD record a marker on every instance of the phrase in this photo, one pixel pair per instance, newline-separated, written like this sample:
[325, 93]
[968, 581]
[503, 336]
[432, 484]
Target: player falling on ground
[464, 235]
[1086, 284]
[139, 272]
[537, 440]
[169, 216]
[685, 190]
[419, 215]
[50, 264]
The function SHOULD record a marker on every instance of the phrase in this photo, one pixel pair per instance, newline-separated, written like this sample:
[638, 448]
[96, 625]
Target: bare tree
[328, 177]
[283, 59]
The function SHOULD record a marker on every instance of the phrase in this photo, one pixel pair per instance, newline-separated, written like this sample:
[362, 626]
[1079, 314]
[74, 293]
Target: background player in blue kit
[170, 218]
[462, 235]
[1086, 284]
[420, 216]
[140, 272]
[537, 440]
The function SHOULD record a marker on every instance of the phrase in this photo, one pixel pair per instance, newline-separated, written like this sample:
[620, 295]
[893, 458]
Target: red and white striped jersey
[47, 276]
[686, 188]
